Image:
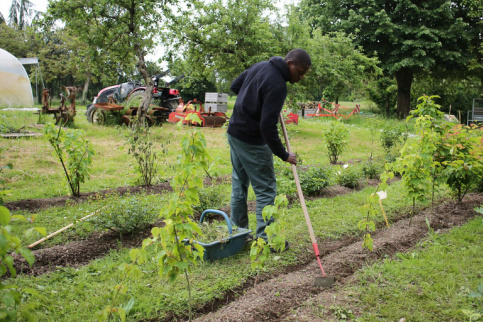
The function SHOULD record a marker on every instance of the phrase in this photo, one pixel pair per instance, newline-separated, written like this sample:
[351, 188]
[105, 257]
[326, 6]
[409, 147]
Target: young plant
[349, 176]
[335, 139]
[260, 248]
[126, 214]
[417, 162]
[176, 250]
[11, 295]
[314, 180]
[74, 152]
[115, 311]
[460, 155]
[367, 224]
[138, 138]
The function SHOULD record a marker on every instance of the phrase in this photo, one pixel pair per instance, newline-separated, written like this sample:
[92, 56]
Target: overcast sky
[41, 5]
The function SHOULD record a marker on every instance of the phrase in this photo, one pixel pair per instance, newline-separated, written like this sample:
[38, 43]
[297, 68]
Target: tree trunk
[86, 87]
[404, 78]
[387, 105]
[148, 94]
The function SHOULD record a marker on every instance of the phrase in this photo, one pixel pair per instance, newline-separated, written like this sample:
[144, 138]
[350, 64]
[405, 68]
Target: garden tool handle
[299, 191]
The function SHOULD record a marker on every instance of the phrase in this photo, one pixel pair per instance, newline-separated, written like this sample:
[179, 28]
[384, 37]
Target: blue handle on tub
[218, 212]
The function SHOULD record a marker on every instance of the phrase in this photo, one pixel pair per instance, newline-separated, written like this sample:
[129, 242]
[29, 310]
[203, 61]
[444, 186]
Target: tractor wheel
[90, 108]
[134, 101]
[98, 116]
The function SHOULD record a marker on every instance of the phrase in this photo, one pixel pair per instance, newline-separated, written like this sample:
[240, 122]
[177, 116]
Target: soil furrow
[280, 298]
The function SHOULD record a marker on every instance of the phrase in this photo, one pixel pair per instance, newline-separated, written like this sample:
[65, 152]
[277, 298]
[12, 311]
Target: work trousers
[252, 164]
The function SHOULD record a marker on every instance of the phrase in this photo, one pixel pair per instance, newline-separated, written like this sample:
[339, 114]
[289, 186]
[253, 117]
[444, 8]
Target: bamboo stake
[384, 213]
[65, 228]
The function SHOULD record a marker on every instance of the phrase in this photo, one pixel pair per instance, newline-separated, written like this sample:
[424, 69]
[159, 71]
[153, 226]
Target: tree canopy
[115, 30]
[406, 36]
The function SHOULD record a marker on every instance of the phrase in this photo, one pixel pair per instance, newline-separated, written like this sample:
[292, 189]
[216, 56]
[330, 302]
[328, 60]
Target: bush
[314, 180]
[335, 139]
[349, 177]
[127, 214]
[372, 169]
[211, 197]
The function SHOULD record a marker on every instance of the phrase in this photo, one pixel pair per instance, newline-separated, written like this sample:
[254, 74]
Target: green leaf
[4, 216]
[27, 254]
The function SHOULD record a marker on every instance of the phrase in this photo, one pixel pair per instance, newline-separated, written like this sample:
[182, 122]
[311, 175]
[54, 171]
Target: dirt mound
[37, 204]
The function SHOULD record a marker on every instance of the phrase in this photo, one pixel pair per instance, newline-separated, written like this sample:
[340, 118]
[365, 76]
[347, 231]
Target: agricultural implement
[123, 101]
[323, 112]
[208, 119]
[62, 113]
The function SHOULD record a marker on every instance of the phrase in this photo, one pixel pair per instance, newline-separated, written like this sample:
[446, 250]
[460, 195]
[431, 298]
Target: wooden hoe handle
[301, 197]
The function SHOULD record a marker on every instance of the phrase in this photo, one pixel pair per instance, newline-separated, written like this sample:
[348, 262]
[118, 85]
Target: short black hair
[299, 57]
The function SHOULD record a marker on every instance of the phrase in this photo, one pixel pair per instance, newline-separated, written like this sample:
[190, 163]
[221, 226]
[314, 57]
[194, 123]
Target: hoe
[325, 280]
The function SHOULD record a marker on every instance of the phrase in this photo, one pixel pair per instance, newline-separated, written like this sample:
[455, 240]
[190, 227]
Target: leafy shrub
[126, 214]
[79, 153]
[349, 177]
[211, 197]
[314, 180]
[138, 138]
[391, 139]
[372, 169]
[335, 139]
[11, 295]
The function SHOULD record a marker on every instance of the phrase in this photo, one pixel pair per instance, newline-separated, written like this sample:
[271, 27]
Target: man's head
[298, 62]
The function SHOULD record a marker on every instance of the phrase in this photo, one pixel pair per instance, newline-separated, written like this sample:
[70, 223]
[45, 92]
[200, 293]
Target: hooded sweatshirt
[261, 91]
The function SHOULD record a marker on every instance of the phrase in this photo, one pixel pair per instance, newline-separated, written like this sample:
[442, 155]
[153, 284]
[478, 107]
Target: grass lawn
[75, 294]
[437, 281]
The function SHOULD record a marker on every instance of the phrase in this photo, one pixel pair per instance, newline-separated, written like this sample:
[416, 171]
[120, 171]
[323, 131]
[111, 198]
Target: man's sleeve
[272, 106]
[238, 82]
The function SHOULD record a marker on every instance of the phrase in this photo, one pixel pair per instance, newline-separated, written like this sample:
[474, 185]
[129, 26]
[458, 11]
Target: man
[253, 134]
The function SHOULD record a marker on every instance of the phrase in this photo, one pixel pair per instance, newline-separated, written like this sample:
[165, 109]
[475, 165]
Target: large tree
[20, 11]
[407, 36]
[116, 29]
[222, 38]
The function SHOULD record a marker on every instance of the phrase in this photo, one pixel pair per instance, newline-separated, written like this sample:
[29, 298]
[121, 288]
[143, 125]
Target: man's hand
[292, 159]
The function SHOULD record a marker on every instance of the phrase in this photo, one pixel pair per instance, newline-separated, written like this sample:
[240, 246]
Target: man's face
[297, 71]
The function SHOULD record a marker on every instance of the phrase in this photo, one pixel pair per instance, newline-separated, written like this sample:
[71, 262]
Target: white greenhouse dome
[15, 89]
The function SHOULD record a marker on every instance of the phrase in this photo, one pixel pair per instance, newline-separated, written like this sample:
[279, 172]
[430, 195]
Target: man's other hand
[292, 159]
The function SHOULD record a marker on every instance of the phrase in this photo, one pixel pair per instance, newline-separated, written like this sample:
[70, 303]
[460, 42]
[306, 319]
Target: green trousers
[252, 164]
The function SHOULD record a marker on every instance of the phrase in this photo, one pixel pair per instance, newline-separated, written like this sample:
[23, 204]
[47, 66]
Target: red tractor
[123, 101]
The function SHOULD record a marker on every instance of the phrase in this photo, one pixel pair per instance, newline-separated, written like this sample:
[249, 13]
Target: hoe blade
[326, 281]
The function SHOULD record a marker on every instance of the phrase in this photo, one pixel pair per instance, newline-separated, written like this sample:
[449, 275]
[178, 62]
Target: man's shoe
[287, 246]
[249, 238]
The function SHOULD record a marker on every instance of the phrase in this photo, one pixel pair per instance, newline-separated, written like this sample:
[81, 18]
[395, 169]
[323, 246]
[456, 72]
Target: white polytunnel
[15, 89]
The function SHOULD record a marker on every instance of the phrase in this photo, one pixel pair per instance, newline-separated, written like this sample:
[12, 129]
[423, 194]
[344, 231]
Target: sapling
[260, 249]
[74, 152]
[335, 139]
[176, 250]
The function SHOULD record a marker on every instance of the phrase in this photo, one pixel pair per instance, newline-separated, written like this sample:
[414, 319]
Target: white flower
[345, 166]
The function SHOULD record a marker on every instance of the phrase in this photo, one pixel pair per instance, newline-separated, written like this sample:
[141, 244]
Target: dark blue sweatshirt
[261, 91]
